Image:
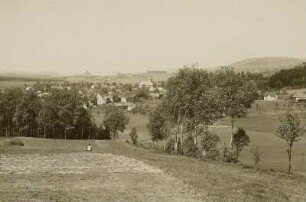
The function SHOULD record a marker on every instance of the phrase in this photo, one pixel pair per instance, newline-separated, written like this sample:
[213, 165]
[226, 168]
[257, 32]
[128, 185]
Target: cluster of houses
[115, 94]
[297, 97]
[103, 100]
[154, 93]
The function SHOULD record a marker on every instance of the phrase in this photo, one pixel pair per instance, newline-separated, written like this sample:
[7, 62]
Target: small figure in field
[89, 147]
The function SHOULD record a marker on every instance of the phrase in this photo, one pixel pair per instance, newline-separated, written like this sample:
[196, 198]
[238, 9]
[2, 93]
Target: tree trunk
[289, 158]
[182, 138]
[164, 145]
[231, 139]
[176, 142]
[45, 131]
[65, 133]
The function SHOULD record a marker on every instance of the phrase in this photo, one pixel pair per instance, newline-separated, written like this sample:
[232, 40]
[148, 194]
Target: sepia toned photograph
[152, 100]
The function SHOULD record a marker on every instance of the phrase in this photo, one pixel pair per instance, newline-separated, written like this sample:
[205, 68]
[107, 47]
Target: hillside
[60, 170]
[266, 65]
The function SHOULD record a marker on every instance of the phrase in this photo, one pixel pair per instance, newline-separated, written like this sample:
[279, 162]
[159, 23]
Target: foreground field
[60, 170]
[41, 172]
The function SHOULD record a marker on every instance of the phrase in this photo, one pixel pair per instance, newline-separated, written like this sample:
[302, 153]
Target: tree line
[295, 78]
[60, 114]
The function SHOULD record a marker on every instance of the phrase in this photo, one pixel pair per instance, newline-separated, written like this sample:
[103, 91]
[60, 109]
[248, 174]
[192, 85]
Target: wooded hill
[266, 65]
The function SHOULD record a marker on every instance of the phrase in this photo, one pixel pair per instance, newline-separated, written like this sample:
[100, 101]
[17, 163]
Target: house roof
[299, 95]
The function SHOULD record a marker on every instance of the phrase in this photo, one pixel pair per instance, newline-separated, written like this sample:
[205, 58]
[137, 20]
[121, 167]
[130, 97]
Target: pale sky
[73, 36]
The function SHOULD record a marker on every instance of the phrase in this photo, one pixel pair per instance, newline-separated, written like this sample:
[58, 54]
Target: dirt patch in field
[86, 177]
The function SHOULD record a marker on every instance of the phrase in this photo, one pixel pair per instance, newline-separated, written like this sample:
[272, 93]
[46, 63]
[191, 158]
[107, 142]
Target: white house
[299, 97]
[131, 107]
[100, 100]
[123, 99]
[145, 84]
[271, 97]
[155, 95]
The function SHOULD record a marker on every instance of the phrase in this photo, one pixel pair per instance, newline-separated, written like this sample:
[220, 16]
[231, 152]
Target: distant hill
[87, 73]
[266, 65]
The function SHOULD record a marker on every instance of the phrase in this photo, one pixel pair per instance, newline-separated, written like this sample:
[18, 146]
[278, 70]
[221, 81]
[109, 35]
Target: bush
[170, 145]
[133, 135]
[209, 145]
[240, 140]
[12, 142]
[190, 149]
[257, 153]
[229, 155]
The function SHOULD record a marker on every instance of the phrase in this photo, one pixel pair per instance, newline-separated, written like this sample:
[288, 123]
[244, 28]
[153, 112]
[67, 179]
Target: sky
[104, 37]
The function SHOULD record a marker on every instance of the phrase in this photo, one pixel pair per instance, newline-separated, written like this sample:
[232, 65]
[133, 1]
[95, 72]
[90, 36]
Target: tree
[115, 120]
[240, 139]
[257, 153]
[289, 129]
[116, 98]
[184, 91]
[238, 93]
[142, 95]
[158, 126]
[9, 100]
[133, 135]
[26, 115]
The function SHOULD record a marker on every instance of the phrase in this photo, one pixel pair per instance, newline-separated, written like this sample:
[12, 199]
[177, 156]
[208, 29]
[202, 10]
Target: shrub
[256, 155]
[229, 155]
[240, 139]
[133, 135]
[190, 149]
[12, 142]
[209, 145]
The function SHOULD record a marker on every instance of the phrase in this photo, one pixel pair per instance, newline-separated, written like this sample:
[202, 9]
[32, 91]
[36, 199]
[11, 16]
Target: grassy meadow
[60, 170]
[14, 84]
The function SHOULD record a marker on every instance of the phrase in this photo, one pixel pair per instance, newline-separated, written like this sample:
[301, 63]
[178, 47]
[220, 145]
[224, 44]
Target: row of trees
[195, 99]
[60, 114]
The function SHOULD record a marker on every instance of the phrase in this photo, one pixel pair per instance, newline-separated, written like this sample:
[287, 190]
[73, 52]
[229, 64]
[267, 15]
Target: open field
[13, 84]
[59, 170]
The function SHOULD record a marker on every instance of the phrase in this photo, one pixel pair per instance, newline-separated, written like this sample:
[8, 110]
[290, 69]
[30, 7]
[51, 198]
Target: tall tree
[27, 114]
[9, 100]
[158, 124]
[238, 93]
[183, 91]
[289, 129]
[115, 120]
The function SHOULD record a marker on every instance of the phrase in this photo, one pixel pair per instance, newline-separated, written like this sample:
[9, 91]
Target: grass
[260, 125]
[205, 181]
[14, 84]
[219, 181]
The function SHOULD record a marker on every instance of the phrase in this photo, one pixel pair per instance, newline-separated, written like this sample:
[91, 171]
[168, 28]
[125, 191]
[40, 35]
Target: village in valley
[135, 112]
[152, 101]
